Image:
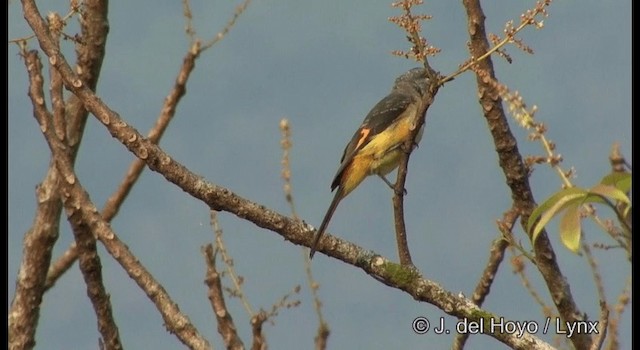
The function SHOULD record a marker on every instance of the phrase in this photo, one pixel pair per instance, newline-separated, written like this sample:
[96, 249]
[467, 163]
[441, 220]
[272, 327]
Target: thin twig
[604, 308]
[398, 209]
[410, 23]
[526, 20]
[221, 34]
[228, 261]
[188, 28]
[618, 308]
[496, 256]
[226, 326]
[323, 331]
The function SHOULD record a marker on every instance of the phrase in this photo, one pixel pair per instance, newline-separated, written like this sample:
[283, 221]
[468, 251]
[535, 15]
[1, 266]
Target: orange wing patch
[365, 132]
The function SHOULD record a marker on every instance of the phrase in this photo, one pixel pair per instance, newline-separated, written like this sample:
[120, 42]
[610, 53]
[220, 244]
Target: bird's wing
[383, 114]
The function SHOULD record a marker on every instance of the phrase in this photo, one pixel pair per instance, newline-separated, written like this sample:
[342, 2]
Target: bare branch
[221, 34]
[90, 51]
[43, 234]
[89, 261]
[57, 97]
[236, 291]
[91, 268]
[618, 162]
[188, 28]
[603, 326]
[603, 322]
[496, 256]
[226, 326]
[408, 147]
[39, 240]
[113, 203]
[219, 198]
[410, 23]
[322, 336]
[517, 175]
[398, 208]
[78, 201]
[322, 333]
[526, 19]
[257, 321]
[420, 49]
[614, 322]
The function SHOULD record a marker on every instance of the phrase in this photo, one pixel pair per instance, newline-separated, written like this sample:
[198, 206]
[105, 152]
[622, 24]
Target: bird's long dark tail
[325, 221]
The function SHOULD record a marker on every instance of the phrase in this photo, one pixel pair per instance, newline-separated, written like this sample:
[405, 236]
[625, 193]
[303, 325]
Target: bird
[376, 147]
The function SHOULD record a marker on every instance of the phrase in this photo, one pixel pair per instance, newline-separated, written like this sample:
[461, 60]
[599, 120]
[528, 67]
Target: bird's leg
[391, 185]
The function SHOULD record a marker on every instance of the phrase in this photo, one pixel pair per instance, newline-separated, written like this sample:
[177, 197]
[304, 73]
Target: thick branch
[90, 51]
[40, 238]
[89, 261]
[91, 268]
[516, 174]
[219, 198]
[113, 203]
[77, 201]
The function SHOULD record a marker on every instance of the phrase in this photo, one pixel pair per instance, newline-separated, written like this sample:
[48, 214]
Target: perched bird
[375, 148]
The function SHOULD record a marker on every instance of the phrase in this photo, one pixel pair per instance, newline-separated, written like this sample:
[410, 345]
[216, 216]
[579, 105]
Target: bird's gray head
[415, 79]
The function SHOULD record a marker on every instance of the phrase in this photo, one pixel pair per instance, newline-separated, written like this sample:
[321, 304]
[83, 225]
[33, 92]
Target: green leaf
[570, 228]
[619, 180]
[547, 204]
[610, 192]
[556, 203]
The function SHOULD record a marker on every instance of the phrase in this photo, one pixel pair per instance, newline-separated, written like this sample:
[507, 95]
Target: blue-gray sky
[323, 65]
